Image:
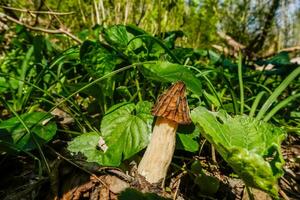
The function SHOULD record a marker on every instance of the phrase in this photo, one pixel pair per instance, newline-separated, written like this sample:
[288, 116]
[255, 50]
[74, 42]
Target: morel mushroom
[171, 109]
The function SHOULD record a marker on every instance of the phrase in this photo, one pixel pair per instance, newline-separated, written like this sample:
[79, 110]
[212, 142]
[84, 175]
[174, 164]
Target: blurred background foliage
[262, 26]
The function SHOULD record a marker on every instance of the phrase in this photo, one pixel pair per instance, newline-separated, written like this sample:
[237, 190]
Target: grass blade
[279, 106]
[30, 133]
[256, 102]
[277, 92]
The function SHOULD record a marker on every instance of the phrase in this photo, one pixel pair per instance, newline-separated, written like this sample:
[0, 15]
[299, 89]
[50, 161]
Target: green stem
[256, 102]
[210, 85]
[240, 74]
[138, 87]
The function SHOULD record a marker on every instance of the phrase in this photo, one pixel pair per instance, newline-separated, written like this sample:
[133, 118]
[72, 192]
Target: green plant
[108, 86]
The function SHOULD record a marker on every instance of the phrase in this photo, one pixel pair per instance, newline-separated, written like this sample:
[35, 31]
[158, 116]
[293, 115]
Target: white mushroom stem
[158, 156]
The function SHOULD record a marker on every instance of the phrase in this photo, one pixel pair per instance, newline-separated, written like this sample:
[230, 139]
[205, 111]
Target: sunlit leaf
[169, 72]
[251, 147]
[116, 35]
[126, 130]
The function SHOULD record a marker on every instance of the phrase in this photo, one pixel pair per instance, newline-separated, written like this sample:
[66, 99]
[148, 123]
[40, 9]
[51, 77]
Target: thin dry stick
[97, 12]
[178, 180]
[213, 151]
[231, 42]
[37, 11]
[177, 189]
[284, 196]
[101, 5]
[57, 31]
[126, 12]
[55, 16]
[213, 154]
[288, 49]
[81, 11]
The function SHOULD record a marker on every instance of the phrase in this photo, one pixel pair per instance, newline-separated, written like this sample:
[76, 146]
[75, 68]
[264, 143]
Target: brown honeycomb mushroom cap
[173, 105]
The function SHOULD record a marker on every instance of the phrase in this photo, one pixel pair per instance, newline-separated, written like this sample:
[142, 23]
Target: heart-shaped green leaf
[251, 147]
[124, 133]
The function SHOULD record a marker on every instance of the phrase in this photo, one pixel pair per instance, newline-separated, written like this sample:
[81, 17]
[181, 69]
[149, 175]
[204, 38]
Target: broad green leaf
[208, 185]
[119, 36]
[99, 61]
[188, 140]
[87, 144]
[169, 72]
[251, 147]
[281, 64]
[129, 132]
[134, 30]
[126, 130]
[12, 131]
[116, 35]
[280, 59]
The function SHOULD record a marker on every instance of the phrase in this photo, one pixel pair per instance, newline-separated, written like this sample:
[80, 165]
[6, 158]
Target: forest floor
[72, 180]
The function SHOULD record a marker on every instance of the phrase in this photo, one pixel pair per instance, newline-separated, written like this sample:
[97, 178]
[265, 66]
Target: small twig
[55, 16]
[284, 196]
[213, 154]
[288, 49]
[231, 42]
[37, 11]
[178, 181]
[81, 12]
[96, 12]
[117, 172]
[51, 31]
[250, 194]
[177, 189]
[202, 145]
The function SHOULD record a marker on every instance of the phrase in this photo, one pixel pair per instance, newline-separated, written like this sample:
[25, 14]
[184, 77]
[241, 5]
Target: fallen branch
[231, 42]
[51, 31]
[37, 11]
[289, 49]
[222, 49]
